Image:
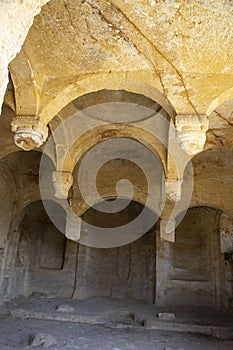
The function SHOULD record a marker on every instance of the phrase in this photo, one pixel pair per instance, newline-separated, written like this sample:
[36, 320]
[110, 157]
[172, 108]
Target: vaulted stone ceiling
[122, 104]
[181, 48]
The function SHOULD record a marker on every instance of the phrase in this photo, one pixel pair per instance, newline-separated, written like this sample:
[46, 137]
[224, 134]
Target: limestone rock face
[181, 48]
[15, 20]
[143, 89]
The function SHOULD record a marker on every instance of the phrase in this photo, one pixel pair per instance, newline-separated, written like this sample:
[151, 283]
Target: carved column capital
[173, 189]
[30, 132]
[62, 182]
[191, 132]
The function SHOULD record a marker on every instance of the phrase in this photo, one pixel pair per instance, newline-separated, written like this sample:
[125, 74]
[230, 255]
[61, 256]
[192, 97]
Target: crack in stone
[125, 37]
[218, 138]
[70, 17]
[120, 33]
[161, 54]
[148, 40]
[154, 66]
[33, 83]
[89, 30]
[225, 119]
[108, 22]
[135, 45]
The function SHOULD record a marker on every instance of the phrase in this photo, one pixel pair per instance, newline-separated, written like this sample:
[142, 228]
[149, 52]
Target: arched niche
[197, 274]
[100, 98]
[29, 174]
[213, 182]
[101, 82]
[220, 100]
[127, 271]
[220, 125]
[105, 114]
[121, 161]
[36, 252]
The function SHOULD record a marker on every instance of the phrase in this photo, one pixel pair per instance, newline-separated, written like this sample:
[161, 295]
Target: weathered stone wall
[8, 194]
[178, 54]
[213, 182]
[197, 267]
[37, 261]
[146, 177]
[41, 261]
[127, 271]
[176, 47]
[16, 19]
[19, 186]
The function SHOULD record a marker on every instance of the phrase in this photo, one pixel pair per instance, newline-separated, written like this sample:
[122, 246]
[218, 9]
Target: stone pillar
[73, 226]
[167, 229]
[62, 181]
[163, 264]
[191, 132]
[16, 17]
[173, 189]
[30, 132]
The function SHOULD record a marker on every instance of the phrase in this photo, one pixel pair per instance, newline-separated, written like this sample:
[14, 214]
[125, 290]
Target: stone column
[167, 229]
[163, 264]
[173, 189]
[73, 226]
[16, 17]
[62, 182]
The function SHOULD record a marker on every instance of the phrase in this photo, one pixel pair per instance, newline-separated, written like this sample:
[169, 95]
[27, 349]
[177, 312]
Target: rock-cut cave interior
[116, 174]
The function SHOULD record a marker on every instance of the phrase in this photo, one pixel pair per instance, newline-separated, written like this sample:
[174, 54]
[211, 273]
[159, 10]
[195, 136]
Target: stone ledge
[220, 332]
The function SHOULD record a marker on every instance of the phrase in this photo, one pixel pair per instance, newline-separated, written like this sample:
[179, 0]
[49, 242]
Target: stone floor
[111, 324]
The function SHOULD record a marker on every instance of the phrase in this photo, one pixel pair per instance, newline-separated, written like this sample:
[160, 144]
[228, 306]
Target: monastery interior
[146, 88]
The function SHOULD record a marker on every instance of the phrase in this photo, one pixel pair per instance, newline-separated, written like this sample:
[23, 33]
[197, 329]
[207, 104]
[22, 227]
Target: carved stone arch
[220, 100]
[26, 89]
[16, 21]
[100, 82]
